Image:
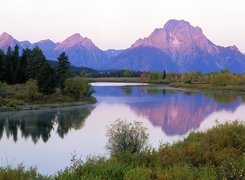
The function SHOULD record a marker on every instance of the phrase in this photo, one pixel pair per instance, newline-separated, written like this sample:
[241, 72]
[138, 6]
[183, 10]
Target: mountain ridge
[177, 46]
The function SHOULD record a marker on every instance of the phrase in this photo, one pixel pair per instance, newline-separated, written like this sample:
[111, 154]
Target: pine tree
[164, 74]
[17, 66]
[46, 79]
[10, 66]
[62, 71]
[34, 63]
[23, 59]
[3, 68]
[15, 61]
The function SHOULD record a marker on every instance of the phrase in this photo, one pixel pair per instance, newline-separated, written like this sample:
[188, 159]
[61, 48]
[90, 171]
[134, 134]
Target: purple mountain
[178, 47]
[47, 47]
[6, 41]
[82, 52]
[190, 50]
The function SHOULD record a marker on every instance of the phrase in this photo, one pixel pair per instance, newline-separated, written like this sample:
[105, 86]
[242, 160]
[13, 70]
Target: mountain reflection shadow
[41, 124]
[179, 113]
[176, 112]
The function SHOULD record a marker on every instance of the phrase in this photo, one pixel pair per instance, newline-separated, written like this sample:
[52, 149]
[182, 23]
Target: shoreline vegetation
[25, 107]
[218, 82]
[26, 96]
[218, 153]
[195, 86]
[28, 81]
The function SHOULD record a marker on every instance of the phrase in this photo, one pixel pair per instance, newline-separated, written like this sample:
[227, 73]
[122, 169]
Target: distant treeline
[222, 78]
[32, 64]
[117, 73]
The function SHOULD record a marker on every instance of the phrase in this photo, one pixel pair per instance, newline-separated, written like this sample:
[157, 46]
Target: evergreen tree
[15, 61]
[34, 63]
[23, 61]
[10, 67]
[164, 74]
[3, 68]
[46, 79]
[19, 72]
[62, 71]
[17, 66]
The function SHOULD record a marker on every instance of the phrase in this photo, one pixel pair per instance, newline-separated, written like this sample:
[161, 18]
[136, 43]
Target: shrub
[2, 102]
[78, 87]
[14, 103]
[126, 137]
[20, 172]
[185, 171]
[219, 80]
[188, 81]
[3, 87]
[138, 173]
[20, 96]
[32, 89]
[215, 154]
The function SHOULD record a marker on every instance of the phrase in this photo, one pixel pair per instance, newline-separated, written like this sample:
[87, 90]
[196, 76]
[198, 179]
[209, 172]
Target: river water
[49, 138]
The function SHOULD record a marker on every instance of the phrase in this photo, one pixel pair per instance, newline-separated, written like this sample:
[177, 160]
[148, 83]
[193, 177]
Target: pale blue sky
[119, 23]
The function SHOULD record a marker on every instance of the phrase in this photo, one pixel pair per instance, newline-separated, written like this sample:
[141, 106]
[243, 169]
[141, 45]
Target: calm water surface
[48, 138]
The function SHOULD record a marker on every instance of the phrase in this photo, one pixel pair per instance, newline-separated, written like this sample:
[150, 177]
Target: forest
[29, 79]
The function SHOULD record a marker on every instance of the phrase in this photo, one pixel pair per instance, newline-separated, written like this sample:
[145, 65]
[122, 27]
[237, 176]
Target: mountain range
[176, 47]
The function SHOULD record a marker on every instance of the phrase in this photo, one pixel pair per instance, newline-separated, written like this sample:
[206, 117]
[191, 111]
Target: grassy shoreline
[209, 88]
[194, 86]
[57, 101]
[86, 101]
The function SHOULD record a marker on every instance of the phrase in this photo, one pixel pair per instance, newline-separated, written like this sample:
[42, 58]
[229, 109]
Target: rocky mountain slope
[190, 50]
[177, 46]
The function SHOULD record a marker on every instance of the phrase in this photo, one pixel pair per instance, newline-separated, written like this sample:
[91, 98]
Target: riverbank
[215, 154]
[41, 106]
[115, 79]
[209, 88]
[190, 86]
[26, 96]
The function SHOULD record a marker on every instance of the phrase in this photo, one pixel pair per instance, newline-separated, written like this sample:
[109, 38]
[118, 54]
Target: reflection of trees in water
[153, 90]
[149, 90]
[175, 111]
[73, 119]
[224, 99]
[1, 128]
[179, 112]
[127, 90]
[243, 98]
[36, 125]
[40, 124]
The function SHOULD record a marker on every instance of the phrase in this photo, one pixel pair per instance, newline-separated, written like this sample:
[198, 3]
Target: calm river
[48, 138]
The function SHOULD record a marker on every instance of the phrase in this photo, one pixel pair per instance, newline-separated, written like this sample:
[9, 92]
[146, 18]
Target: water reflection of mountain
[179, 113]
[176, 112]
[40, 124]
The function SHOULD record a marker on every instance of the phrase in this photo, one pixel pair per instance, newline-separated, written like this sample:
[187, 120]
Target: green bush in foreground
[218, 153]
[126, 137]
[19, 173]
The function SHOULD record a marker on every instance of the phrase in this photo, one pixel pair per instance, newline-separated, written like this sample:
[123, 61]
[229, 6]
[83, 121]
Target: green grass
[20, 173]
[15, 97]
[218, 153]
[210, 88]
